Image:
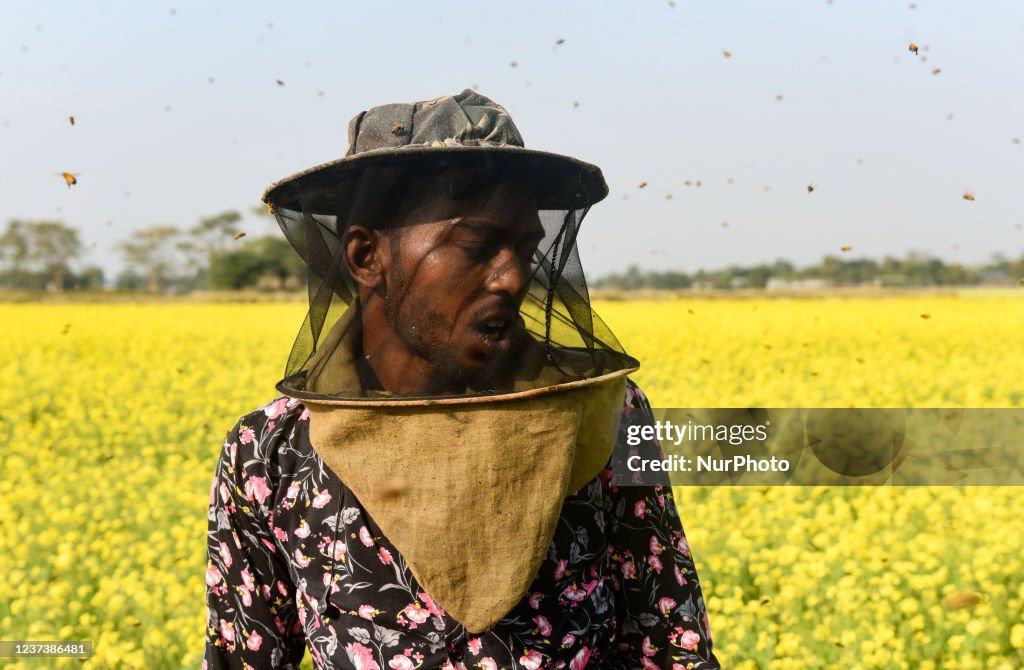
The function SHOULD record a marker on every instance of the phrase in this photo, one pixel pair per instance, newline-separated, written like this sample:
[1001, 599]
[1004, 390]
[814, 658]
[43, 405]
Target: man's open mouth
[494, 328]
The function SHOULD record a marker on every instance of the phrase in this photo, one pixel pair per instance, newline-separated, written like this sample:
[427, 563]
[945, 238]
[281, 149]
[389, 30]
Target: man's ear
[367, 255]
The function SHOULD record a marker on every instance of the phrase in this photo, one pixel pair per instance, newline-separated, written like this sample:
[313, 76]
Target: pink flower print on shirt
[321, 499]
[665, 605]
[560, 568]
[337, 550]
[254, 641]
[535, 599]
[640, 508]
[432, 607]
[301, 559]
[279, 407]
[385, 556]
[575, 594]
[213, 576]
[531, 659]
[227, 630]
[367, 612]
[365, 537]
[688, 640]
[679, 575]
[246, 435]
[656, 547]
[401, 662]
[361, 657]
[579, 661]
[543, 625]
[225, 554]
[256, 489]
[655, 563]
[416, 614]
[488, 663]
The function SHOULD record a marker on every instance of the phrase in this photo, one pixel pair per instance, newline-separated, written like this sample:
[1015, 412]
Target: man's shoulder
[269, 424]
[635, 397]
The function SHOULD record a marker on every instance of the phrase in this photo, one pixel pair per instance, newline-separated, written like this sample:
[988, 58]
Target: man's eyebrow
[486, 227]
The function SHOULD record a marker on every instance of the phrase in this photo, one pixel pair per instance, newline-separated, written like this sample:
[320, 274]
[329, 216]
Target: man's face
[459, 273]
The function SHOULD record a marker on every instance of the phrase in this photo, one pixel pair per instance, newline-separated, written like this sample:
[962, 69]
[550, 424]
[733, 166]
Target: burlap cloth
[468, 489]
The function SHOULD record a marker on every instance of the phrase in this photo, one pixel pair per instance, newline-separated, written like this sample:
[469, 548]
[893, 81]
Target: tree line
[213, 254]
[216, 254]
[913, 270]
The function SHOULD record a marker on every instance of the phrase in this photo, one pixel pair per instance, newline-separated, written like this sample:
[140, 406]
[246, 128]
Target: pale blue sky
[658, 102]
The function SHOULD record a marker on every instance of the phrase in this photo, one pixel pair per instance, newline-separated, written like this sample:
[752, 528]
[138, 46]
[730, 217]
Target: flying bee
[71, 120]
[936, 70]
[727, 54]
[397, 129]
[239, 235]
[1016, 140]
[926, 316]
[279, 82]
[810, 188]
[912, 48]
[70, 178]
[642, 184]
[969, 196]
[513, 64]
[778, 97]
[846, 247]
[560, 41]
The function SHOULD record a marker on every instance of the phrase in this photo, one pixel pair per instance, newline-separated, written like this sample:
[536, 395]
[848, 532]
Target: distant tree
[153, 252]
[52, 245]
[205, 239]
[33, 251]
[14, 253]
[88, 279]
[254, 262]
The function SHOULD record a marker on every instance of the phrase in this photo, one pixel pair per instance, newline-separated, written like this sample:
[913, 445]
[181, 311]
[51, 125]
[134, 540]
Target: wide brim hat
[466, 129]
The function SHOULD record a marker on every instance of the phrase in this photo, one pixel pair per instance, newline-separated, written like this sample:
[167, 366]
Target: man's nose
[508, 274]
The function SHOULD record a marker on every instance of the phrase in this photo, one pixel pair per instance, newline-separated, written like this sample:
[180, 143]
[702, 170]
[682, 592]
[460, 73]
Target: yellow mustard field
[112, 417]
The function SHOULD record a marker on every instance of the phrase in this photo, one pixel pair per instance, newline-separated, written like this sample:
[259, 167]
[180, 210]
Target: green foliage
[916, 270]
[38, 254]
[265, 262]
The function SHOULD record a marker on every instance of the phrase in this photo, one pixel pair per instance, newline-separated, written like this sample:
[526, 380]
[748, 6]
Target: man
[432, 490]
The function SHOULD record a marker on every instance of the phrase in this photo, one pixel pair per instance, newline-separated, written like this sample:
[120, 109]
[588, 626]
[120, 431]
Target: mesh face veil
[443, 269]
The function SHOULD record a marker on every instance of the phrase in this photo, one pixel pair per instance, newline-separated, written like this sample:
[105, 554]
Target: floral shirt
[296, 563]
